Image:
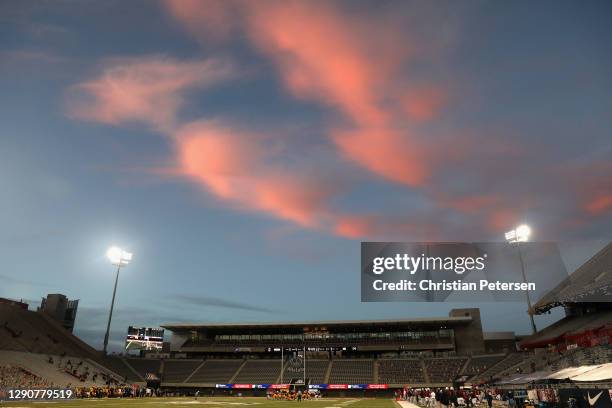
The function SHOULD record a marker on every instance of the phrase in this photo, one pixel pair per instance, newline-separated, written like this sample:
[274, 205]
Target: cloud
[347, 61]
[10, 279]
[149, 89]
[600, 204]
[254, 172]
[218, 302]
[385, 116]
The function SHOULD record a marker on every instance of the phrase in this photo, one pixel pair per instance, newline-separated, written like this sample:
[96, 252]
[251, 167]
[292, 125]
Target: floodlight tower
[119, 258]
[516, 236]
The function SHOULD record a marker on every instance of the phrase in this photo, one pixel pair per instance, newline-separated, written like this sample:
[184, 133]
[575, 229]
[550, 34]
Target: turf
[207, 403]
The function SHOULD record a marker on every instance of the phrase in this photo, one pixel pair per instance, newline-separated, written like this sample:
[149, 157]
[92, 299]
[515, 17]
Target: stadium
[335, 203]
[329, 360]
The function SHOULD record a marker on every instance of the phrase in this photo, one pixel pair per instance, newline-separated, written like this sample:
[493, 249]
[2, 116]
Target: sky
[242, 150]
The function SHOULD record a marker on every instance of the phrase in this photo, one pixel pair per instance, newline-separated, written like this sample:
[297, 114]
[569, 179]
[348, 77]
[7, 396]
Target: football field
[186, 402]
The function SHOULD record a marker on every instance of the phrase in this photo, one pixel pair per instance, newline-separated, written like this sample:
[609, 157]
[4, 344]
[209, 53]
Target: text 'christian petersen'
[455, 285]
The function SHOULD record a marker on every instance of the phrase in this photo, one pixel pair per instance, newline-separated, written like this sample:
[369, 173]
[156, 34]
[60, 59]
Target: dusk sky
[242, 150]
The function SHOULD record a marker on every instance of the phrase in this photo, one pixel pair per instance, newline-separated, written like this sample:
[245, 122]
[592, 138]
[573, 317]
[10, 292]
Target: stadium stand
[578, 329]
[144, 366]
[119, 366]
[259, 371]
[424, 352]
[315, 371]
[444, 370]
[352, 371]
[58, 370]
[216, 371]
[479, 364]
[17, 377]
[591, 282]
[512, 360]
[401, 371]
[177, 371]
[25, 330]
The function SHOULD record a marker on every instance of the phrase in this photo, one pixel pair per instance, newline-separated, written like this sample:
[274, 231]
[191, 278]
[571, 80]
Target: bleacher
[118, 365]
[504, 366]
[479, 364]
[12, 376]
[216, 371]
[444, 370]
[589, 283]
[351, 371]
[177, 371]
[400, 371]
[24, 330]
[315, 371]
[57, 370]
[567, 326]
[600, 354]
[143, 366]
[259, 371]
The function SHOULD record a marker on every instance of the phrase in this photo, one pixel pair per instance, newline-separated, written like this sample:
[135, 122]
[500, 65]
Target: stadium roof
[329, 323]
[591, 282]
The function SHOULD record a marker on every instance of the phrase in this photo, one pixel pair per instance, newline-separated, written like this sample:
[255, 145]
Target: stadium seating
[315, 371]
[553, 361]
[143, 366]
[57, 370]
[23, 330]
[177, 371]
[17, 377]
[479, 364]
[118, 365]
[505, 366]
[259, 371]
[401, 371]
[444, 370]
[216, 371]
[351, 371]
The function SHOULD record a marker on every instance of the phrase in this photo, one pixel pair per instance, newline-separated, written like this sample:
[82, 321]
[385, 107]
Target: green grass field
[208, 403]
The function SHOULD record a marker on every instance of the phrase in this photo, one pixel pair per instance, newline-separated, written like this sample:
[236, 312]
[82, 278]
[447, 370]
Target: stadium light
[119, 258]
[519, 234]
[516, 236]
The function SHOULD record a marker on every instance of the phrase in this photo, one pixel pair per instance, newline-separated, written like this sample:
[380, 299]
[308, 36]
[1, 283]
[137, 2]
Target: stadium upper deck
[590, 284]
[460, 332]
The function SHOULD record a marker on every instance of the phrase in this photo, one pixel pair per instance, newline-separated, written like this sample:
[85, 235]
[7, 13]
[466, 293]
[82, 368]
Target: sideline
[406, 404]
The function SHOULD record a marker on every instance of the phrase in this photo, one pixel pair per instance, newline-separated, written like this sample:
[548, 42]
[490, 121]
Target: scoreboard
[144, 338]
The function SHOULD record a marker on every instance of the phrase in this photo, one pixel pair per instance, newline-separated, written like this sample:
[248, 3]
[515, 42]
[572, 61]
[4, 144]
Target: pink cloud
[424, 103]
[145, 89]
[600, 204]
[244, 169]
[211, 18]
[347, 61]
[385, 152]
[335, 58]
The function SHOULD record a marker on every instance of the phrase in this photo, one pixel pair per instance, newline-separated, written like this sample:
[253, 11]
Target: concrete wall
[469, 338]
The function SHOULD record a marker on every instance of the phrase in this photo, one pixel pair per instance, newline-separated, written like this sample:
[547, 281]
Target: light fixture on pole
[516, 236]
[119, 258]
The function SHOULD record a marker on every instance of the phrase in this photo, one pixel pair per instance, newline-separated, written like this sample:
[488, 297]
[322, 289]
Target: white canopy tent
[592, 373]
[599, 373]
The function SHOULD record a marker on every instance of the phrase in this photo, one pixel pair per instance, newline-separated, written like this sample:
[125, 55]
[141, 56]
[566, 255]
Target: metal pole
[529, 311]
[304, 365]
[110, 315]
[282, 362]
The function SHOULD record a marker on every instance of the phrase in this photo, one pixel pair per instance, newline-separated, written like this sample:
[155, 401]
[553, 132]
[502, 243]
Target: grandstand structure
[342, 355]
[393, 353]
[583, 338]
[586, 296]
